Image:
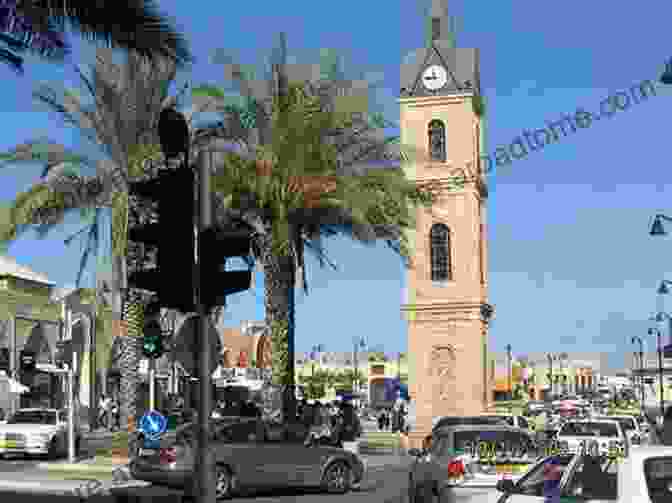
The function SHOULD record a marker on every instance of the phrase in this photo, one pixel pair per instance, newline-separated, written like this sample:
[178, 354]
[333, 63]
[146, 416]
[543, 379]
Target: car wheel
[337, 478]
[223, 482]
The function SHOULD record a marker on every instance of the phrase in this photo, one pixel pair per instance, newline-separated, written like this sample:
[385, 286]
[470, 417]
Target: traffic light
[152, 340]
[27, 359]
[215, 247]
[4, 359]
[63, 353]
[173, 235]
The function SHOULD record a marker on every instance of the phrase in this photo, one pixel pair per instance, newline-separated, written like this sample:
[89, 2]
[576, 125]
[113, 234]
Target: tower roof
[440, 49]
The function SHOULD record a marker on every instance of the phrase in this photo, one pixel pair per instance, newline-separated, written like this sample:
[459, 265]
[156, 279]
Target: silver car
[250, 455]
[469, 456]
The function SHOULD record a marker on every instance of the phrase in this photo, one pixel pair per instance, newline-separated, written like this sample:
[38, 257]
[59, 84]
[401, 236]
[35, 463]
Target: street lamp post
[657, 333]
[316, 351]
[633, 340]
[358, 343]
[551, 358]
[508, 356]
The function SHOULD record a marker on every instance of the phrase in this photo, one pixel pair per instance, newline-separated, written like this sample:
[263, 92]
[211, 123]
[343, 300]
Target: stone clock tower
[446, 306]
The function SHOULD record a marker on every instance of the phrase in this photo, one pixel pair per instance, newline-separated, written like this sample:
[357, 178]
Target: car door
[593, 479]
[530, 488]
[433, 465]
[279, 460]
[238, 446]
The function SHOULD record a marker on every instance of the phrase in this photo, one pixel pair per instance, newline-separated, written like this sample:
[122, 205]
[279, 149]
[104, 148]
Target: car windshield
[627, 423]
[499, 440]
[33, 417]
[589, 429]
[474, 420]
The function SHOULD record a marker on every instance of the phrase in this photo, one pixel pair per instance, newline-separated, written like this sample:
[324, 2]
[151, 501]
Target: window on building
[437, 141]
[439, 240]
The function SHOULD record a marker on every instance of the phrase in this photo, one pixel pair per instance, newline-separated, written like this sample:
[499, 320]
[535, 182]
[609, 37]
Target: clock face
[434, 77]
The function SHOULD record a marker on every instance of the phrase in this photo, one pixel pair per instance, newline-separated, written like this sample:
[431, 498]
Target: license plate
[148, 452]
[7, 444]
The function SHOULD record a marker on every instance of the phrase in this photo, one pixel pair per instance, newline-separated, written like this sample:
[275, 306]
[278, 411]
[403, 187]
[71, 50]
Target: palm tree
[303, 172]
[122, 121]
[39, 26]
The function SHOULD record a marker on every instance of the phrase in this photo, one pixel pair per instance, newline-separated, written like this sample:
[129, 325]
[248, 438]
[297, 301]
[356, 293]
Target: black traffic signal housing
[152, 340]
[63, 353]
[173, 235]
[27, 359]
[215, 246]
[4, 360]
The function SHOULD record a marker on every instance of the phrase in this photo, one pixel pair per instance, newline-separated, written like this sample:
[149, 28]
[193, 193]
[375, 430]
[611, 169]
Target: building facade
[446, 306]
[32, 322]
[574, 373]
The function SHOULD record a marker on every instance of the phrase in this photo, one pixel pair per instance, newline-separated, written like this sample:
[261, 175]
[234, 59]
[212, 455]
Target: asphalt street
[384, 485]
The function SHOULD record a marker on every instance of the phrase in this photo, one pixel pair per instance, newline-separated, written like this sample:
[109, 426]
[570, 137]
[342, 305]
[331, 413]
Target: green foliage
[478, 105]
[317, 383]
[377, 356]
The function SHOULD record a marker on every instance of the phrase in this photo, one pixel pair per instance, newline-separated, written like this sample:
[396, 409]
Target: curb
[102, 468]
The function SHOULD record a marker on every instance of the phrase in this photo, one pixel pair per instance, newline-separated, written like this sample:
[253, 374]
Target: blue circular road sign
[153, 424]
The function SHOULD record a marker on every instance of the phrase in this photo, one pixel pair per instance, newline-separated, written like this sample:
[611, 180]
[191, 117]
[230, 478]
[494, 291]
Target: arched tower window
[439, 242]
[437, 141]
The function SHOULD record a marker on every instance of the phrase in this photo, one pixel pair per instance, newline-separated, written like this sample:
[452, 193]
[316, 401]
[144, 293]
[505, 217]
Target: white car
[511, 420]
[593, 436]
[630, 426]
[37, 431]
[644, 477]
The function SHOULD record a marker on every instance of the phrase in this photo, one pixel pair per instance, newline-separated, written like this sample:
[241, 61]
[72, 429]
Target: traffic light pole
[204, 461]
[151, 368]
[71, 409]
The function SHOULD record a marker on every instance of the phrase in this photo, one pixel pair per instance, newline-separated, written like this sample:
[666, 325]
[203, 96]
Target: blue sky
[572, 267]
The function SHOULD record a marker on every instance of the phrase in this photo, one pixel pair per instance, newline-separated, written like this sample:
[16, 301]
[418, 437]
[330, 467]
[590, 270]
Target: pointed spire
[439, 23]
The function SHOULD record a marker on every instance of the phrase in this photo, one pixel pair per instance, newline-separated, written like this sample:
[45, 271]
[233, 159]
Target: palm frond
[135, 25]
[52, 154]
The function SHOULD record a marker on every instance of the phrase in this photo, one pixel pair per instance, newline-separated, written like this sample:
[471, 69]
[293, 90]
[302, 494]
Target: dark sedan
[253, 455]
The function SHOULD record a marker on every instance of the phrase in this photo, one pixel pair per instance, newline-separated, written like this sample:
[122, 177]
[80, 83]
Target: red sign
[242, 359]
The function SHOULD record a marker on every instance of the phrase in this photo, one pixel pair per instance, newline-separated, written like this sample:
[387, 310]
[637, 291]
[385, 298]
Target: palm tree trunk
[279, 279]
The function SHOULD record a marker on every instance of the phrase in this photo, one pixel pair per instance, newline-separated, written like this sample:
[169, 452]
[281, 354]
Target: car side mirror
[505, 486]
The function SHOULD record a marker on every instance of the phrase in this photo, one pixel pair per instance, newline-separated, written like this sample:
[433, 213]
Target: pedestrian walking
[115, 416]
[103, 411]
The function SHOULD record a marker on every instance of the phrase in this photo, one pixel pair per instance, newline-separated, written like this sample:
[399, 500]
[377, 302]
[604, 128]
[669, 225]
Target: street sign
[153, 424]
[186, 348]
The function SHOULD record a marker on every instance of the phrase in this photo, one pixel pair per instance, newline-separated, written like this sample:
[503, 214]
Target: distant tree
[316, 383]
